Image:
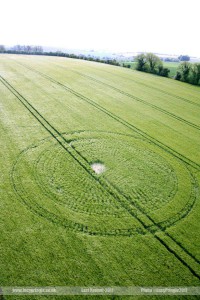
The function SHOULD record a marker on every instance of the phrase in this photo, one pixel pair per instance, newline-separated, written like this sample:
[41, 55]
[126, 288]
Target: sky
[160, 26]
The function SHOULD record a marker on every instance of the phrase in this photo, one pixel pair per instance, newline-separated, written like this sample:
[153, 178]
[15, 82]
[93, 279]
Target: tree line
[38, 50]
[27, 49]
[151, 63]
[189, 72]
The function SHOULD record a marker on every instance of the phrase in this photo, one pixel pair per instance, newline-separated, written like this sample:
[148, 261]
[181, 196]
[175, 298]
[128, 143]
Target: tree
[37, 49]
[195, 73]
[177, 76]
[141, 62]
[126, 65]
[153, 62]
[184, 70]
[184, 58]
[163, 71]
[17, 48]
[189, 72]
[2, 48]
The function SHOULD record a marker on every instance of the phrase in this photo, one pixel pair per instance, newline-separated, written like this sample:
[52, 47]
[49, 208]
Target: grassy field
[173, 66]
[62, 224]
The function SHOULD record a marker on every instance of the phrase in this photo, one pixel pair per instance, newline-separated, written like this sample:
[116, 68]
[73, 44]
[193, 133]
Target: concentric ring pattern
[60, 190]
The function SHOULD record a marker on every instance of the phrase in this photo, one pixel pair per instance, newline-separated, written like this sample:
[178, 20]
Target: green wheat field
[100, 174]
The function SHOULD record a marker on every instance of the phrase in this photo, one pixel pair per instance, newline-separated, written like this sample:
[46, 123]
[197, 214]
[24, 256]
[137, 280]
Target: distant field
[173, 66]
[100, 173]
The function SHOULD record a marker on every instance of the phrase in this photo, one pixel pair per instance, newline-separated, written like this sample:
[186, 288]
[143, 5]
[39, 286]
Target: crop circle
[62, 187]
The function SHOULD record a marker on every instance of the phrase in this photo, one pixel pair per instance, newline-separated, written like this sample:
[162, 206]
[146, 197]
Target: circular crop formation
[104, 183]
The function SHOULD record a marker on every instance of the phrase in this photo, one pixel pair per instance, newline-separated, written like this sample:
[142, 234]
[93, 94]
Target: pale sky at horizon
[162, 26]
